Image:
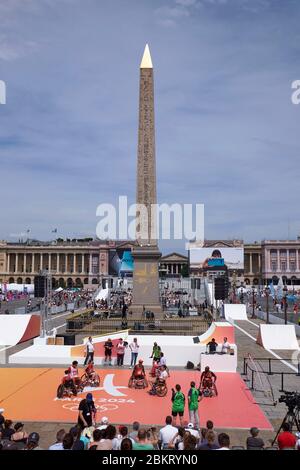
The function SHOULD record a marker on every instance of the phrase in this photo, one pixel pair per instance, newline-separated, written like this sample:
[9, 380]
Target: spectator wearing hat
[253, 442]
[103, 423]
[58, 445]
[190, 428]
[19, 436]
[33, 442]
[87, 412]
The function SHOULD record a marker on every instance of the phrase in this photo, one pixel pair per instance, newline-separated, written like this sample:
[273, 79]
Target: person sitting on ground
[103, 423]
[210, 443]
[58, 445]
[224, 441]
[138, 372]
[254, 442]
[142, 441]
[286, 439]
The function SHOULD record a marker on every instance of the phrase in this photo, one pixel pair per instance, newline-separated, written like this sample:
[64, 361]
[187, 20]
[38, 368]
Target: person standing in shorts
[178, 400]
[194, 397]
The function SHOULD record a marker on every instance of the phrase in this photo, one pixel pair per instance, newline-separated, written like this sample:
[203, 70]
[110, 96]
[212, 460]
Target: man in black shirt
[108, 345]
[87, 411]
[212, 346]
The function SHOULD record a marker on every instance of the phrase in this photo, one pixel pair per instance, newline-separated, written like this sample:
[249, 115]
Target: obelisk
[146, 255]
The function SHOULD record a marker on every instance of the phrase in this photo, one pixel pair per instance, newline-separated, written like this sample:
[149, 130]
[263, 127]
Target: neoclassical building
[72, 263]
[271, 260]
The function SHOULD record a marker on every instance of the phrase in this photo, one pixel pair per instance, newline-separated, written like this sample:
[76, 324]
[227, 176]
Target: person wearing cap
[190, 428]
[103, 423]
[87, 412]
[33, 442]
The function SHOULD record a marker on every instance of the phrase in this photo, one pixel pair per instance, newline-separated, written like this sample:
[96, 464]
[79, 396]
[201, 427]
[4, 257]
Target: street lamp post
[267, 291]
[253, 308]
[285, 290]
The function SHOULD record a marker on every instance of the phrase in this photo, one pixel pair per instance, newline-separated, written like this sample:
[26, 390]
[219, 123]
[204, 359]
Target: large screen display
[208, 258]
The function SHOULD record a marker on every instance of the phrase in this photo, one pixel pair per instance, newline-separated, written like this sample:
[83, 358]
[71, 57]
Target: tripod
[292, 418]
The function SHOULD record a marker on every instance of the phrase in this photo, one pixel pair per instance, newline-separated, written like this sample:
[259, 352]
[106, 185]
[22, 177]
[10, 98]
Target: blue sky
[227, 133]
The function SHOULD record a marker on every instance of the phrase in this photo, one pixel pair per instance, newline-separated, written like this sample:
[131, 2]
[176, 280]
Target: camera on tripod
[291, 399]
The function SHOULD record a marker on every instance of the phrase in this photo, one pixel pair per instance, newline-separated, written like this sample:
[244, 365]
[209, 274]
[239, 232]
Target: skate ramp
[15, 329]
[281, 337]
[234, 312]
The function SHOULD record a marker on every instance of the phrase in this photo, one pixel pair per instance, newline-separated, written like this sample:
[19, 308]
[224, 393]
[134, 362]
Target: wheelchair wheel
[60, 391]
[96, 381]
[130, 383]
[161, 391]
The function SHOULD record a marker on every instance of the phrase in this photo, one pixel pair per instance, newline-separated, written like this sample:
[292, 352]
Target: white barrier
[277, 337]
[234, 312]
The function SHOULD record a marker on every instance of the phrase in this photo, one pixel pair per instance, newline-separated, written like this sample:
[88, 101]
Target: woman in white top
[134, 347]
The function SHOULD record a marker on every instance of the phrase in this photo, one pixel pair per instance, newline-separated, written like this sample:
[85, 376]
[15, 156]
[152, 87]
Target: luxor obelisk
[146, 255]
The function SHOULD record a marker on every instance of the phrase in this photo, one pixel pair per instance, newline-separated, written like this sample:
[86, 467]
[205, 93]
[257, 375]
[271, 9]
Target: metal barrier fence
[90, 324]
[269, 371]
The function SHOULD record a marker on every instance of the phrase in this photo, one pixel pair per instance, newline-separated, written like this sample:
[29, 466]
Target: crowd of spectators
[106, 436]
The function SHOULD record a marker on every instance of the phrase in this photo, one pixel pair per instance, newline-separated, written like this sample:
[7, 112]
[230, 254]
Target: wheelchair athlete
[138, 376]
[208, 382]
